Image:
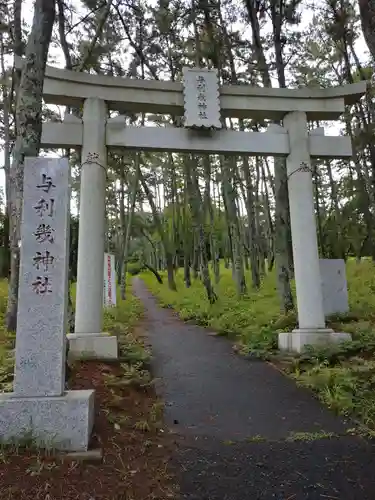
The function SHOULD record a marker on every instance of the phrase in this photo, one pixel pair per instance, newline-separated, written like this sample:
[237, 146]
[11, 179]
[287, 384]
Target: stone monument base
[59, 423]
[92, 346]
[299, 338]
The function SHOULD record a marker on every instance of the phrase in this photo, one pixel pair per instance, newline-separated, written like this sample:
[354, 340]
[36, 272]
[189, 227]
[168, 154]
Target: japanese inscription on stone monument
[43, 260]
[41, 321]
[201, 98]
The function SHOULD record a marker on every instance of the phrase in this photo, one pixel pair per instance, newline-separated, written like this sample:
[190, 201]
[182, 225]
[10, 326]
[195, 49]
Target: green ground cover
[342, 376]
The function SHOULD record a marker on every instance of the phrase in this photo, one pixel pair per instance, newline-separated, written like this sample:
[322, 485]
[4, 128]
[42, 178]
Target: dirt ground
[128, 431]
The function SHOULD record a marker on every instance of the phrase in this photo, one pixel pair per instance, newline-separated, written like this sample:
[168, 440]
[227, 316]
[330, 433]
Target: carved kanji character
[43, 259]
[44, 232]
[45, 206]
[42, 285]
[46, 183]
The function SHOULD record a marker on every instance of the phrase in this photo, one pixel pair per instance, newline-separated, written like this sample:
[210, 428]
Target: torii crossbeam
[96, 132]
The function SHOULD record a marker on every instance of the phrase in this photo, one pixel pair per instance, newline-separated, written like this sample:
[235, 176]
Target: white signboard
[334, 286]
[201, 98]
[109, 295]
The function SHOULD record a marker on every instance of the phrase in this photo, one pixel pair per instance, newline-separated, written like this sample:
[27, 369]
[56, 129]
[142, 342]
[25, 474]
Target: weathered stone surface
[99, 346]
[155, 96]
[89, 294]
[60, 423]
[39, 409]
[42, 307]
[297, 340]
[334, 286]
[303, 225]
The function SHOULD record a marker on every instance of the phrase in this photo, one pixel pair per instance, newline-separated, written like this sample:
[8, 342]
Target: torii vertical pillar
[88, 341]
[311, 321]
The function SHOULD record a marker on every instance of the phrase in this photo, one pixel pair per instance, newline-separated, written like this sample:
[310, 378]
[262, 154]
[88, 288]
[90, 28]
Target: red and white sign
[109, 292]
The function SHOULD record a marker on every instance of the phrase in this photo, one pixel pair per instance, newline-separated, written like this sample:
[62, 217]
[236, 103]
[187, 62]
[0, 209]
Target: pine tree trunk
[254, 252]
[187, 238]
[338, 243]
[170, 271]
[195, 201]
[195, 264]
[229, 196]
[367, 12]
[124, 256]
[282, 243]
[7, 96]
[164, 238]
[187, 278]
[210, 213]
[29, 131]
[363, 190]
[258, 228]
[268, 219]
[281, 237]
[318, 208]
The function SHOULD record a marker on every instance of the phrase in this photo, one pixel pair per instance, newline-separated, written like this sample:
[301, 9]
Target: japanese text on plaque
[202, 97]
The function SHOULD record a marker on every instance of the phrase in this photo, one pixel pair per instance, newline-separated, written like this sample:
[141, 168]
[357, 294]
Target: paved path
[234, 419]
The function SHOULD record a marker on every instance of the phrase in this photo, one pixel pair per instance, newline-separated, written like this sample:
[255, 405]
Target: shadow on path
[234, 419]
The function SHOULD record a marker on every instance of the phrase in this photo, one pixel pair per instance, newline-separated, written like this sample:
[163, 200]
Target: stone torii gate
[204, 105]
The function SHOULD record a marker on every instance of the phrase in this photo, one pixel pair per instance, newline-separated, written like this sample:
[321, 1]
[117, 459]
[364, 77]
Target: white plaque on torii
[203, 103]
[201, 98]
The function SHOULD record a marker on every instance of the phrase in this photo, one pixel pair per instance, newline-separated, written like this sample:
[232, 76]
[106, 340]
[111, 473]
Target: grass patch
[122, 318]
[342, 376]
[256, 439]
[121, 321]
[7, 343]
[309, 436]
[251, 320]
[125, 316]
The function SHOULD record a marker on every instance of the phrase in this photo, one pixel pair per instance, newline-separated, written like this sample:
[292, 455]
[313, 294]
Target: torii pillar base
[297, 340]
[93, 346]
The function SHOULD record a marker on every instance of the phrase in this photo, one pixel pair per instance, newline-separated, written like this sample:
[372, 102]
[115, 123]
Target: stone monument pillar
[39, 407]
[311, 320]
[88, 341]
